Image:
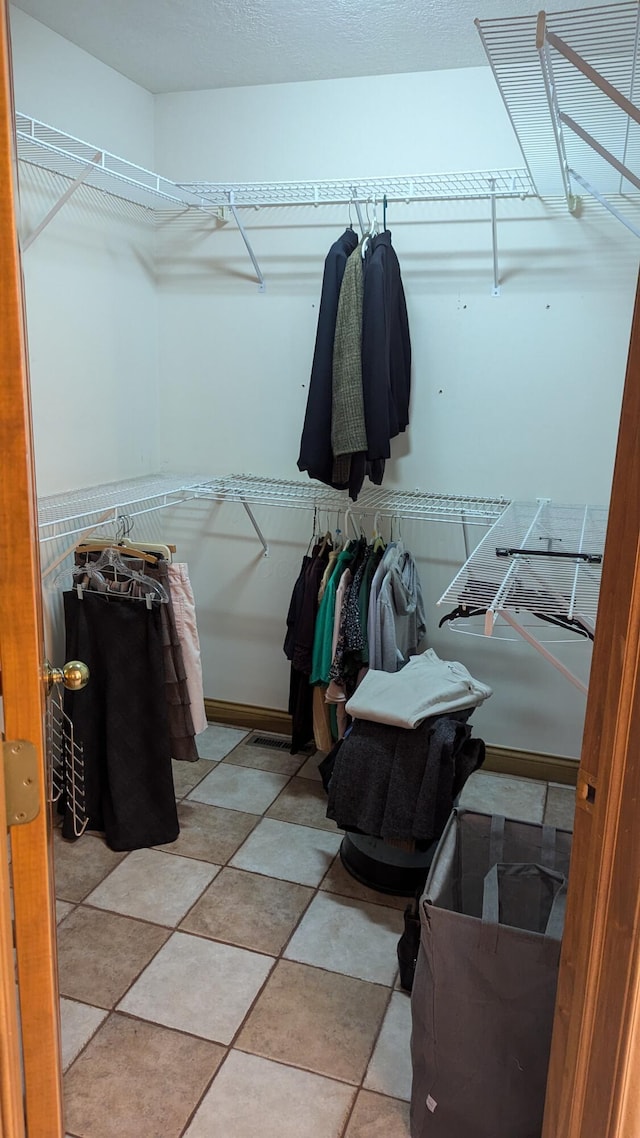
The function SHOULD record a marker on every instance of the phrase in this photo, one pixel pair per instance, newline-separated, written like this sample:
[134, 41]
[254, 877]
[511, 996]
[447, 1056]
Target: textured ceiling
[184, 45]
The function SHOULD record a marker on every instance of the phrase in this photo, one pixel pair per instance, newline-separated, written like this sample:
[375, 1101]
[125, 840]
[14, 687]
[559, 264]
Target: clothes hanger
[167, 551]
[348, 517]
[124, 530]
[104, 546]
[569, 623]
[111, 558]
[372, 231]
[314, 527]
[378, 540]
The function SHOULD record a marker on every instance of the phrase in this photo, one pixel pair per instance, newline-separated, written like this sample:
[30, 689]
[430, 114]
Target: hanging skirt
[120, 720]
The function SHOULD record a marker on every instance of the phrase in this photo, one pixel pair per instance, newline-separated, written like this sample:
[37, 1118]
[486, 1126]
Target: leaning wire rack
[537, 555]
[546, 94]
[538, 560]
[65, 763]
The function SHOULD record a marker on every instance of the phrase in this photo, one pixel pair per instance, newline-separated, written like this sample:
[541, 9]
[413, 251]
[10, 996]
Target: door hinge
[20, 760]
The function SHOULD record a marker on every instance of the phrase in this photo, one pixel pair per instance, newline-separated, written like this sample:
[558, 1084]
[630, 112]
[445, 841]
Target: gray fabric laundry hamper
[484, 991]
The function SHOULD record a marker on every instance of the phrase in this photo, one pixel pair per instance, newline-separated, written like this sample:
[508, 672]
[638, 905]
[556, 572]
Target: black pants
[120, 720]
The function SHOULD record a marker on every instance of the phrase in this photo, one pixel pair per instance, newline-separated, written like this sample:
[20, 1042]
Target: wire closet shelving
[68, 514]
[41, 145]
[83, 164]
[457, 186]
[570, 82]
[537, 557]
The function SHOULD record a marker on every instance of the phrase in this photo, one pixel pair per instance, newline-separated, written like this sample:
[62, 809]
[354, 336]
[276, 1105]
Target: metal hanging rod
[520, 551]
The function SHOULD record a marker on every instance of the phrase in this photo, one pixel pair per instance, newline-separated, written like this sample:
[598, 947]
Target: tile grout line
[317, 891]
[171, 929]
[361, 1086]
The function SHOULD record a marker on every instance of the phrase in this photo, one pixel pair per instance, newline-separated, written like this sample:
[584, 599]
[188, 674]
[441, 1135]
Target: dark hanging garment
[315, 447]
[298, 647]
[179, 718]
[386, 351]
[120, 720]
[300, 706]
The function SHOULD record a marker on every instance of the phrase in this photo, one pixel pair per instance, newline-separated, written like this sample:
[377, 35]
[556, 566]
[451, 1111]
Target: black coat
[315, 445]
[386, 348]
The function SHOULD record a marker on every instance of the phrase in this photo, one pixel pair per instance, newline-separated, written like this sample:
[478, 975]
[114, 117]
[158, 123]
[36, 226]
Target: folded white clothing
[426, 686]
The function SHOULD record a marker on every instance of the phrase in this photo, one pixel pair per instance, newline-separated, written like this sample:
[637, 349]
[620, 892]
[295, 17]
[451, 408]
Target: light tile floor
[240, 982]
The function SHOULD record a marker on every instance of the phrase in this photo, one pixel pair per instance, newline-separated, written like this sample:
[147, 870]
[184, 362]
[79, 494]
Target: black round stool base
[383, 867]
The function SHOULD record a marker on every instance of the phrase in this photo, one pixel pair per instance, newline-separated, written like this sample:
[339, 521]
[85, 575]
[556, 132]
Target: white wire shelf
[63, 515]
[41, 145]
[420, 187]
[414, 504]
[560, 577]
[66, 514]
[51, 149]
[607, 37]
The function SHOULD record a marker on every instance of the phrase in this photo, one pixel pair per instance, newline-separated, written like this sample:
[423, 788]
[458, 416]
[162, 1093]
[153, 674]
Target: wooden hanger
[151, 547]
[128, 550]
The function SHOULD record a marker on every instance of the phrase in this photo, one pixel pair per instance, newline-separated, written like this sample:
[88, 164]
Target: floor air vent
[275, 743]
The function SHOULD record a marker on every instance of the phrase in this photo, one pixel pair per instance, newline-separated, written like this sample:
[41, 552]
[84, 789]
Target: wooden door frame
[594, 1075]
[11, 1109]
[21, 658]
[593, 1089]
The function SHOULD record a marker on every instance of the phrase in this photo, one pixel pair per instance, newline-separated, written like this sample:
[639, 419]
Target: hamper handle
[491, 900]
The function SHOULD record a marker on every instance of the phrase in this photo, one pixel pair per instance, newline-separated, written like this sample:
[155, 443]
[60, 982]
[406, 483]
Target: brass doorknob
[73, 676]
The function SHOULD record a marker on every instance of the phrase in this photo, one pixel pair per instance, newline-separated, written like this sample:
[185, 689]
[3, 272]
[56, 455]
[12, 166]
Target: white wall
[148, 354]
[90, 285]
[62, 85]
[516, 396]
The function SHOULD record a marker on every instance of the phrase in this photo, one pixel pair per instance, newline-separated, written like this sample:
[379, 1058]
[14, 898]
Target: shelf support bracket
[62, 200]
[243, 232]
[256, 527]
[494, 239]
[542, 40]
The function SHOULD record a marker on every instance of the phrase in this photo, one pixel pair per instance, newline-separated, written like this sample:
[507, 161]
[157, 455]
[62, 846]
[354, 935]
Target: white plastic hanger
[373, 229]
